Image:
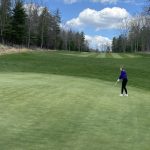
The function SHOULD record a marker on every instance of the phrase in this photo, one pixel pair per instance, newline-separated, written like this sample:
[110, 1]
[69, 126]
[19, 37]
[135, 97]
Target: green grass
[67, 101]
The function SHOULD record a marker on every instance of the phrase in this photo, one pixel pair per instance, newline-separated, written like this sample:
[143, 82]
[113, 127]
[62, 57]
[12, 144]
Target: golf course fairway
[68, 101]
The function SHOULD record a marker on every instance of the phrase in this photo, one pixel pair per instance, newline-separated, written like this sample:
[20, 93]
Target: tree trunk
[29, 35]
[42, 34]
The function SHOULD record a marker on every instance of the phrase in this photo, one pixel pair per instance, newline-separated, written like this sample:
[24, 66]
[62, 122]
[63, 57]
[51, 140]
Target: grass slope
[64, 101]
[81, 65]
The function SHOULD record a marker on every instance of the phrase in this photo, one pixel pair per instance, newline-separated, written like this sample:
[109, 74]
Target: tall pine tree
[56, 28]
[19, 23]
[5, 13]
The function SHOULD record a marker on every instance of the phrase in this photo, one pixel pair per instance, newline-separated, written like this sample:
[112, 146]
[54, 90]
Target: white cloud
[101, 1]
[129, 1]
[107, 18]
[105, 1]
[70, 1]
[98, 42]
[29, 8]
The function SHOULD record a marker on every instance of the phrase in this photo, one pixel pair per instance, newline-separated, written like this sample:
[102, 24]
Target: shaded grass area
[82, 65]
[43, 111]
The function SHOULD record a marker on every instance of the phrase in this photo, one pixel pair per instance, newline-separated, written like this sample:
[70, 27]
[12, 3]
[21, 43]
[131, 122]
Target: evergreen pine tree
[18, 23]
[5, 14]
[56, 28]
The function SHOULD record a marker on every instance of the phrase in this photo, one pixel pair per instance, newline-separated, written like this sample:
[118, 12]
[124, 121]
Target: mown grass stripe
[93, 55]
[91, 67]
[116, 55]
[132, 55]
[108, 55]
[101, 55]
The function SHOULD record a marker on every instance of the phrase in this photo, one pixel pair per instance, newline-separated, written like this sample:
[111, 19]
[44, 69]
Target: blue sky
[100, 20]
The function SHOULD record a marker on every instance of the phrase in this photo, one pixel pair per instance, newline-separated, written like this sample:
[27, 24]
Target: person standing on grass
[124, 78]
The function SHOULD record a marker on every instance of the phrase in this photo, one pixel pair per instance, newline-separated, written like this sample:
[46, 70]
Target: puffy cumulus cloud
[74, 23]
[107, 18]
[98, 42]
[105, 1]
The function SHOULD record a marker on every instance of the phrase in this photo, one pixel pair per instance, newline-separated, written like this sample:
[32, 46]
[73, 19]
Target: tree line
[135, 36]
[31, 25]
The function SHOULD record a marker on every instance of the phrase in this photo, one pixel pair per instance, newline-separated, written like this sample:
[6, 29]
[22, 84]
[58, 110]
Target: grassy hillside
[67, 101]
[91, 65]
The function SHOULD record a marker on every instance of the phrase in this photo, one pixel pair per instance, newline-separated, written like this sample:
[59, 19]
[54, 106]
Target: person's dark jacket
[123, 75]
